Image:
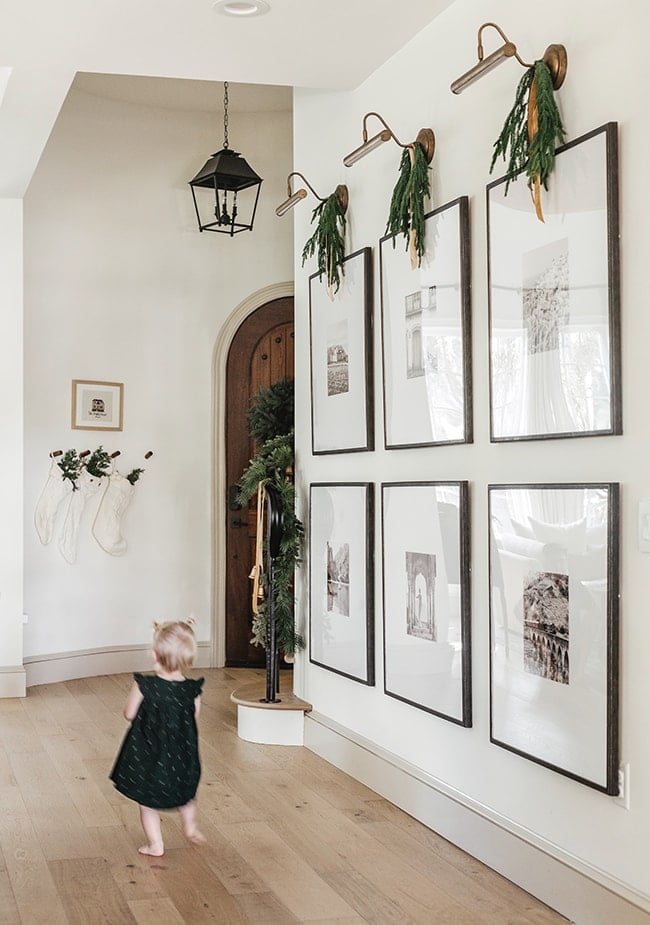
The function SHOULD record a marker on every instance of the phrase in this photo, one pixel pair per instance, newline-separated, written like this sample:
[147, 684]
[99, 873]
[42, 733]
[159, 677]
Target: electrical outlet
[25, 618]
[623, 798]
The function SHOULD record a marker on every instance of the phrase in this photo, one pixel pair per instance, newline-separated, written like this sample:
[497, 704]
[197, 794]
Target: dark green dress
[158, 764]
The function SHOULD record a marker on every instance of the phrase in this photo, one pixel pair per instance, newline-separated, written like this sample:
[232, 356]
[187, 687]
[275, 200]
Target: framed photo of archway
[554, 627]
[554, 313]
[426, 597]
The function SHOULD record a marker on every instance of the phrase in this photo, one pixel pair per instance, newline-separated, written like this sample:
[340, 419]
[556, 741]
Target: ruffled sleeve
[142, 680]
[197, 686]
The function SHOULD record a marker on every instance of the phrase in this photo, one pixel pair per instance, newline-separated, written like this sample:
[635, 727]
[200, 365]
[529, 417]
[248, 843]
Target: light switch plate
[644, 526]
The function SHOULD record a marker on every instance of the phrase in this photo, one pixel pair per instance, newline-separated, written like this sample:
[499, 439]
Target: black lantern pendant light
[227, 173]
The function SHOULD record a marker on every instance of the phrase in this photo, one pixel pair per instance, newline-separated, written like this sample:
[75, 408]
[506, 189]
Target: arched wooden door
[261, 353]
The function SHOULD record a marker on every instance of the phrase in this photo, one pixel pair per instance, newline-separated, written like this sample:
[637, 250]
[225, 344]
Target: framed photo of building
[554, 298]
[426, 597]
[97, 405]
[426, 334]
[342, 415]
[554, 627]
[341, 626]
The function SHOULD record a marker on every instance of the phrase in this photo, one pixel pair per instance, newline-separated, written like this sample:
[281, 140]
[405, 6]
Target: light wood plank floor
[290, 838]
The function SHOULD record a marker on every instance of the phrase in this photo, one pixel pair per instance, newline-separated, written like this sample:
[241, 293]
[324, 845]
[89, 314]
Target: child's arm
[133, 702]
[197, 706]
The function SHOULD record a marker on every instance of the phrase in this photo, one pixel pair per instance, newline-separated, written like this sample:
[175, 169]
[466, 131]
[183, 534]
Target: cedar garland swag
[328, 240]
[530, 131]
[406, 212]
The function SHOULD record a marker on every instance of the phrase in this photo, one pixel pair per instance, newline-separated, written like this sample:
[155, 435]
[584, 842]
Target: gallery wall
[588, 830]
[120, 286]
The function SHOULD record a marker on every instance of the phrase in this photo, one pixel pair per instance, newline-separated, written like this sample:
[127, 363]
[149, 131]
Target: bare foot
[155, 851]
[195, 837]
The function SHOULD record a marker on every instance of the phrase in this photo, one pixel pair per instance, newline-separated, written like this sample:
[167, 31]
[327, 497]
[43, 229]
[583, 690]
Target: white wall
[12, 679]
[590, 830]
[120, 286]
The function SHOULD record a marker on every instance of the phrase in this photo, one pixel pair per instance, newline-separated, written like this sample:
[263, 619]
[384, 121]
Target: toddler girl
[158, 764]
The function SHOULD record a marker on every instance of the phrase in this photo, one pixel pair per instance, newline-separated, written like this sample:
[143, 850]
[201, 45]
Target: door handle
[238, 523]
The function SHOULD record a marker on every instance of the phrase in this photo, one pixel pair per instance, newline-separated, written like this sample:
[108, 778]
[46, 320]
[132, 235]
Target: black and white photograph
[426, 335]
[426, 603]
[338, 359]
[554, 298]
[554, 626]
[341, 583]
[420, 594]
[341, 354]
[546, 625]
[338, 579]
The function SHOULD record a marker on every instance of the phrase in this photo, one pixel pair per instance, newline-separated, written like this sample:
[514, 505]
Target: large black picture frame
[341, 579]
[554, 303]
[426, 597]
[554, 578]
[426, 334]
[341, 355]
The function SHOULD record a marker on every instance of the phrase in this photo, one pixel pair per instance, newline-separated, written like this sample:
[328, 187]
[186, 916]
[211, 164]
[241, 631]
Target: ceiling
[322, 44]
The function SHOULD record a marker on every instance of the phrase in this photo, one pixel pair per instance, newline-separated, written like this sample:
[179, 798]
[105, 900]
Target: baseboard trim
[12, 681]
[88, 663]
[575, 889]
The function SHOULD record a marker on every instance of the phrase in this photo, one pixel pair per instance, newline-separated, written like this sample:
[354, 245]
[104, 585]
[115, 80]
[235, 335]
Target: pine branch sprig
[534, 157]
[406, 211]
[550, 129]
[70, 466]
[99, 462]
[417, 190]
[328, 240]
[514, 134]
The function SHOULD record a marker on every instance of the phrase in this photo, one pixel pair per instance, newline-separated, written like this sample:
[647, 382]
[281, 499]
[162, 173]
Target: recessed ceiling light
[241, 7]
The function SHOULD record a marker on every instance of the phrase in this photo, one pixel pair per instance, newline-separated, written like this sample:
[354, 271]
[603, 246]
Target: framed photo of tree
[342, 408]
[426, 597]
[554, 298]
[554, 627]
[426, 334]
[341, 626]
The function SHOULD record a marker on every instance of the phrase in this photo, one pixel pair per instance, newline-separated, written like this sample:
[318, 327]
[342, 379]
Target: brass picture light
[555, 58]
[426, 139]
[293, 199]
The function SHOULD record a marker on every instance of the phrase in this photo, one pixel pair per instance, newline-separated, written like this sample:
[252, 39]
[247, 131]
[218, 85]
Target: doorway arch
[218, 466]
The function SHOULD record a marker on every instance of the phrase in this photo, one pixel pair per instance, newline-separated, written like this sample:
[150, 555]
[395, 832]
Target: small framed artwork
[342, 416]
[426, 334]
[554, 298]
[426, 592]
[341, 627]
[554, 627]
[97, 405]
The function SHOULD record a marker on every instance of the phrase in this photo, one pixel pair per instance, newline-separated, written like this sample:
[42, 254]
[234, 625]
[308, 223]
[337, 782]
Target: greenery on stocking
[70, 466]
[134, 475]
[99, 462]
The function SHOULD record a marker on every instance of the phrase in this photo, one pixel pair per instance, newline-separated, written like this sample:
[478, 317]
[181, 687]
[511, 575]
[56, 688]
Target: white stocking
[107, 525]
[56, 489]
[87, 487]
